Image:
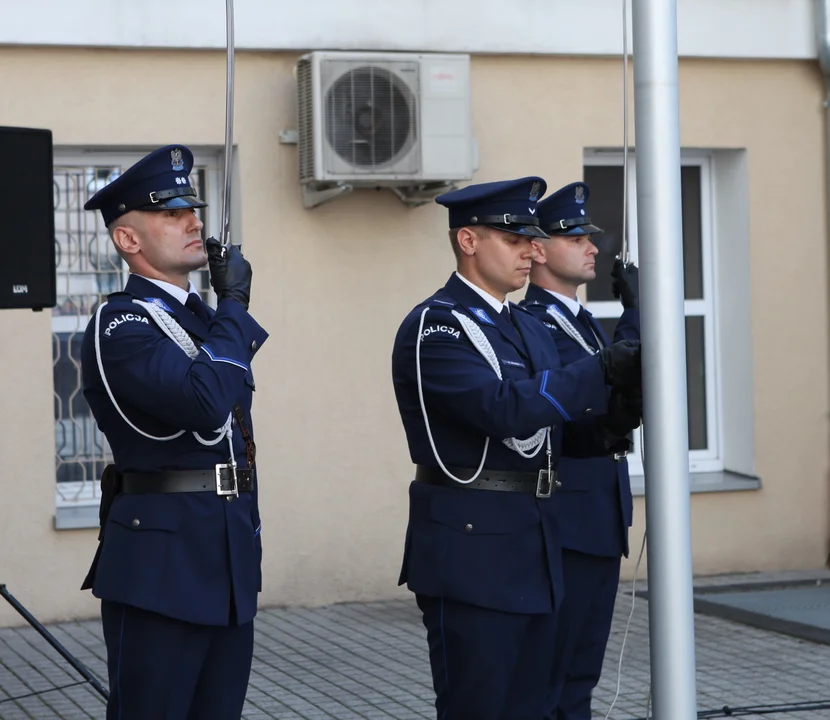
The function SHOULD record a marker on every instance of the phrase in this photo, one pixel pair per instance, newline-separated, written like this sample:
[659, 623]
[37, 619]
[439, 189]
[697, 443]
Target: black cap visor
[587, 229]
[176, 203]
[527, 230]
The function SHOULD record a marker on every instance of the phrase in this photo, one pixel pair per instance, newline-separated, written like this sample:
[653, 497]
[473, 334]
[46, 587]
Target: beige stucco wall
[332, 284]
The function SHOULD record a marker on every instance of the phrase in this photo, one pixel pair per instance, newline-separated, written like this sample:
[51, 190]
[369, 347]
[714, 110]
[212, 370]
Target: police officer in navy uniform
[486, 406]
[169, 382]
[594, 503]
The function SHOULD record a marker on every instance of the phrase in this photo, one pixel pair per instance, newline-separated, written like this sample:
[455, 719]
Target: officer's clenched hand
[230, 273]
[625, 410]
[621, 364]
[625, 283]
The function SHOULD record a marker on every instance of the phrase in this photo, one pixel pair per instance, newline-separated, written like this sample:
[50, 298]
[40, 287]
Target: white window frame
[711, 459]
[76, 503]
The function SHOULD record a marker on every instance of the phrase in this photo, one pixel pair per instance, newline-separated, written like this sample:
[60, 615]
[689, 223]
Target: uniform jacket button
[254, 345]
[588, 411]
[136, 522]
[468, 527]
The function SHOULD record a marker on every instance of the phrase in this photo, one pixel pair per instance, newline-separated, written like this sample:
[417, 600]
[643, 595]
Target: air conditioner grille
[305, 119]
[371, 116]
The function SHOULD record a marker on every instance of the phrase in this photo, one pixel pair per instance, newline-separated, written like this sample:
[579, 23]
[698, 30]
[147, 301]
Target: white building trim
[782, 29]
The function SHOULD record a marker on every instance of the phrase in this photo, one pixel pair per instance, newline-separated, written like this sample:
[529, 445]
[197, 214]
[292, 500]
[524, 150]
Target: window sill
[706, 482]
[76, 517]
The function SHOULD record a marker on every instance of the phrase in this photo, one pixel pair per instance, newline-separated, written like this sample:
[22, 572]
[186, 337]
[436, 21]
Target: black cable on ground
[727, 711]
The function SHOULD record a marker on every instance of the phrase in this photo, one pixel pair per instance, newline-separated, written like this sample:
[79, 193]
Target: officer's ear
[467, 238]
[125, 238]
[539, 255]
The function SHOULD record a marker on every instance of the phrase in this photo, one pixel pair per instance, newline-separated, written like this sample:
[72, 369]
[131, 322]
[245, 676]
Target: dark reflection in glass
[605, 208]
[696, 383]
[605, 211]
[692, 238]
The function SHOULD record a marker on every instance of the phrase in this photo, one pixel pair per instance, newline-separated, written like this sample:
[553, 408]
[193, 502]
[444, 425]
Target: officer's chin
[198, 261]
[518, 283]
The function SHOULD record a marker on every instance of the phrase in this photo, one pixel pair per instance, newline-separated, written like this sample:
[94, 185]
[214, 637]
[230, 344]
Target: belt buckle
[545, 483]
[620, 455]
[220, 467]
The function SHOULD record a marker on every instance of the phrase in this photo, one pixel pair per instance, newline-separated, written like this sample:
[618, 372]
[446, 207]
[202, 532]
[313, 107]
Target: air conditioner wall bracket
[314, 196]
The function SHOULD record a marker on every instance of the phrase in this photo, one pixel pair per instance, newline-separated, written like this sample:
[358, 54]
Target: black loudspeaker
[27, 219]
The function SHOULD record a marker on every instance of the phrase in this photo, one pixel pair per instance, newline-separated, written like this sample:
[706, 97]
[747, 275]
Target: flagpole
[659, 223]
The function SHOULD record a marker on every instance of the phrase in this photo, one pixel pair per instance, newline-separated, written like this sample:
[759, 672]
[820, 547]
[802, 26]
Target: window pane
[692, 241]
[609, 325]
[80, 448]
[696, 383]
[695, 377]
[605, 210]
[605, 203]
[87, 269]
[201, 278]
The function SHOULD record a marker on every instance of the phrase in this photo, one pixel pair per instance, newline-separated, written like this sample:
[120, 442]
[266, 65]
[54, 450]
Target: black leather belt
[218, 479]
[533, 483]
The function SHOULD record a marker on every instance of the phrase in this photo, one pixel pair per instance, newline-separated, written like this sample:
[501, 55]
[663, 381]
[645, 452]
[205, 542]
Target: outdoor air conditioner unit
[396, 120]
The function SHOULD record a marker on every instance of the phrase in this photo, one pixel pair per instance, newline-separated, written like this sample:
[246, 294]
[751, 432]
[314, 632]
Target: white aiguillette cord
[526, 448]
[568, 328]
[179, 336]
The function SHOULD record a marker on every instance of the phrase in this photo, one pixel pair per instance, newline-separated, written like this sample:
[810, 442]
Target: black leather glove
[230, 273]
[621, 365]
[625, 283]
[625, 411]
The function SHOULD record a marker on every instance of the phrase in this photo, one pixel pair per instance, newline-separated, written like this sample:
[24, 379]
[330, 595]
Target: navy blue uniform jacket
[498, 550]
[594, 502]
[188, 554]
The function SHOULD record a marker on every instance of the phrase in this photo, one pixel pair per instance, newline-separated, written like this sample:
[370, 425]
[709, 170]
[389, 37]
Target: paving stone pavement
[366, 661]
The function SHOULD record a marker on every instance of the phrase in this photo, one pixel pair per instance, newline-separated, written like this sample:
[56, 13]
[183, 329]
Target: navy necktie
[197, 306]
[584, 317]
[510, 316]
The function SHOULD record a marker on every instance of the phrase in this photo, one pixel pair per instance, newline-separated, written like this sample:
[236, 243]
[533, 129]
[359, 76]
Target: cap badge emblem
[534, 191]
[176, 160]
